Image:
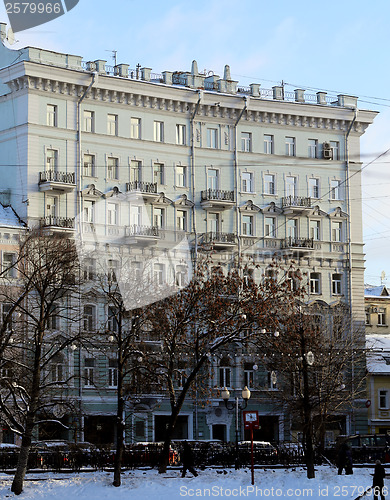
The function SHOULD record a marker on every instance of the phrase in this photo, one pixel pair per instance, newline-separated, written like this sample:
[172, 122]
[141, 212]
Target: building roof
[376, 291]
[378, 355]
[9, 218]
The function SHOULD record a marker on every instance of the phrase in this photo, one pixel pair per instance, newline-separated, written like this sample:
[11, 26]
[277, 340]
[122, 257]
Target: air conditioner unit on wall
[327, 152]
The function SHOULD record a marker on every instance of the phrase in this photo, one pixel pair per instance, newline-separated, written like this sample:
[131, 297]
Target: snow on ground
[213, 483]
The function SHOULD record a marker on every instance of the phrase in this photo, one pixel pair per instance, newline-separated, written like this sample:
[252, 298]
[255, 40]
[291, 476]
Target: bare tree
[46, 291]
[313, 356]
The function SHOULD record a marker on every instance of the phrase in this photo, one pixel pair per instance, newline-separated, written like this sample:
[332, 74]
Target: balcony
[299, 246]
[218, 241]
[295, 204]
[51, 180]
[217, 199]
[148, 190]
[59, 224]
[142, 235]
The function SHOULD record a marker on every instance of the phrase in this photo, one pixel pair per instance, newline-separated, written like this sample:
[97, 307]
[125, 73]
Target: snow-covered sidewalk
[148, 484]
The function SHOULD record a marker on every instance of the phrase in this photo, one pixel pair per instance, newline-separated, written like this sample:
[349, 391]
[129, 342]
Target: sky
[335, 46]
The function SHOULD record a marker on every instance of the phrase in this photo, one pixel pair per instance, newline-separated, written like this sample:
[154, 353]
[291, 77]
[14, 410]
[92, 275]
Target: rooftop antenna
[114, 53]
[383, 277]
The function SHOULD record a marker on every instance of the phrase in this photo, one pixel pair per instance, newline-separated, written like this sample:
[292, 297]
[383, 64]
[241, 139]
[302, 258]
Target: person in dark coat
[342, 458]
[187, 459]
[348, 461]
[378, 480]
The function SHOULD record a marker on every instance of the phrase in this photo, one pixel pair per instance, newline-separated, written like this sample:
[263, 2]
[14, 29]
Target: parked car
[263, 451]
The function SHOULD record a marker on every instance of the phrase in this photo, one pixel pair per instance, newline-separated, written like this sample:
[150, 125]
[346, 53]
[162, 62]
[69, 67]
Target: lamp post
[246, 394]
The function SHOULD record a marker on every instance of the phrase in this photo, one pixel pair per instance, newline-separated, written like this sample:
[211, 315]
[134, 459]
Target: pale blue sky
[339, 46]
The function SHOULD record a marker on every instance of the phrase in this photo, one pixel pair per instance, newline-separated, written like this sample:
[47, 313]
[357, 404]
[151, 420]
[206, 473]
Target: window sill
[384, 326]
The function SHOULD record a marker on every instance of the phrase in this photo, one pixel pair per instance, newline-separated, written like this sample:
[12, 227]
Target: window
[159, 273]
[336, 284]
[89, 166]
[89, 211]
[315, 282]
[213, 222]
[247, 225]
[51, 115]
[181, 176]
[53, 322]
[314, 188]
[313, 148]
[383, 399]
[140, 429]
[112, 214]
[291, 185]
[51, 160]
[272, 381]
[181, 276]
[112, 270]
[290, 146]
[158, 217]
[89, 369]
[382, 316]
[135, 215]
[89, 121]
[224, 376]
[158, 173]
[112, 373]
[335, 190]
[268, 144]
[6, 308]
[212, 179]
[181, 135]
[57, 370]
[335, 147]
[270, 227]
[181, 220]
[159, 131]
[51, 206]
[112, 124]
[246, 142]
[112, 168]
[269, 184]
[212, 138]
[368, 319]
[89, 268]
[337, 231]
[9, 260]
[249, 375]
[315, 230]
[135, 128]
[89, 318]
[247, 182]
[112, 320]
[292, 228]
[135, 171]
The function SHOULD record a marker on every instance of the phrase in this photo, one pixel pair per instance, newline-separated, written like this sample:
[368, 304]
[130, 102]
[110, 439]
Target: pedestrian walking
[187, 459]
[342, 457]
[348, 461]
[378, 480]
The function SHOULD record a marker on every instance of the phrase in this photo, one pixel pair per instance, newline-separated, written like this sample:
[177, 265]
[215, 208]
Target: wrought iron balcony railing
[219, 238]
[291, 242]
[217, 195]
[137, 230]
[296, 201]
[143, 187]
[54, 176]
[55, 221]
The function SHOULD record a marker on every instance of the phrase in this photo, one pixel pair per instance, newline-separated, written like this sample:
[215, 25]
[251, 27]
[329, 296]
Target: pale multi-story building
[247, 171]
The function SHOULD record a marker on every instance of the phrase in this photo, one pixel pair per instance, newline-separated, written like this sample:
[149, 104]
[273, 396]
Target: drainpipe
[236, 180]
[350, 254]
[79, 152]
[192, 118]
[78, 212]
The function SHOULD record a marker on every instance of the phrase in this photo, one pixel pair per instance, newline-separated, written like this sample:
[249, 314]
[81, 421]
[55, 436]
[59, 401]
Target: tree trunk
[164, 462]
[119, 442]
[21, 468]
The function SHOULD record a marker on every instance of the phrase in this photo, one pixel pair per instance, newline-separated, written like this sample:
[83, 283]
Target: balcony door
[212, 179]
[213, 223]
[51, 206]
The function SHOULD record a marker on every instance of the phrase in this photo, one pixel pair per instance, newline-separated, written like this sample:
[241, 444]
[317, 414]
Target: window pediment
[91, 192]
[249, 206]
[271, 208]
[338, 213]
[317, 212]
[183, 201]
[162, 200]
[113, 193]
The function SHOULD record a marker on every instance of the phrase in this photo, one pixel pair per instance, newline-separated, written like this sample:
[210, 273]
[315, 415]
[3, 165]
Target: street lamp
[246, 394]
